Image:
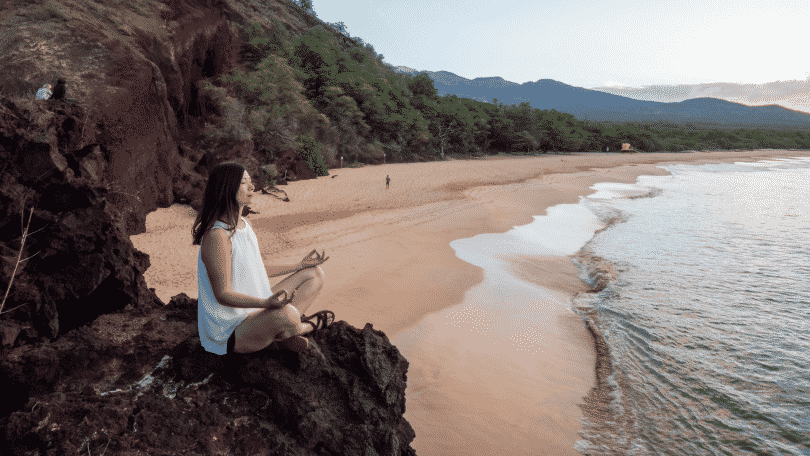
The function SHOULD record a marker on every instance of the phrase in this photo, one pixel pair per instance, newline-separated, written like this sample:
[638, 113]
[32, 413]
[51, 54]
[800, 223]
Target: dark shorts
[231, 343]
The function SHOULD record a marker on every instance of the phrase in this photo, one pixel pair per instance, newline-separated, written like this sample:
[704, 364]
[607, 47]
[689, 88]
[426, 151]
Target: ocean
[704, 314]
[702, 317]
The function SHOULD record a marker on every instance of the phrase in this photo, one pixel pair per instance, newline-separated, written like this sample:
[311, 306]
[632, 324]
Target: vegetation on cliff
[353, 105]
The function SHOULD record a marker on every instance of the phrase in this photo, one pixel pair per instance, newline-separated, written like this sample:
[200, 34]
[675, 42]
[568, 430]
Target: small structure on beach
[626, 146]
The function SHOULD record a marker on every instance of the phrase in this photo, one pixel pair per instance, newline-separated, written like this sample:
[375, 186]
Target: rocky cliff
[139, 382]
[77, 179]
[137, 69]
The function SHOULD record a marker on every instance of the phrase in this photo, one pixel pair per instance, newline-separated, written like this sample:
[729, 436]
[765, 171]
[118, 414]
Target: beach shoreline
[391, 260]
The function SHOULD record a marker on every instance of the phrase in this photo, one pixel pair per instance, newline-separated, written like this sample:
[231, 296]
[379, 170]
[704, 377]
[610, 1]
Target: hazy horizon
[591, 44]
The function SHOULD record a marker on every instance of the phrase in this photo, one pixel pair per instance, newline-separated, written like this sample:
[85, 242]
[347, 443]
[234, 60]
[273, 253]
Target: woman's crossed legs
[264, 327]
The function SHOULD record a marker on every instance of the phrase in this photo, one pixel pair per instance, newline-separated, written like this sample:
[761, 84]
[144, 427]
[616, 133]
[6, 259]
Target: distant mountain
[597, 105]
[792, 94]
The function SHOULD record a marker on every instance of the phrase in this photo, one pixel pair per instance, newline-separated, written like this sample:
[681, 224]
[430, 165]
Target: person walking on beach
[237, 310]
[387, 181]
[44, 93]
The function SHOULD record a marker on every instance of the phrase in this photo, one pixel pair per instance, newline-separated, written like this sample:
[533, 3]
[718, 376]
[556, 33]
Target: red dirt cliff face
[134, 67]
[135, 80]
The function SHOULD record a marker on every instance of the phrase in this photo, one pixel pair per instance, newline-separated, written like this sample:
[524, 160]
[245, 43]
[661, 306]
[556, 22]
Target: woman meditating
[237, 310]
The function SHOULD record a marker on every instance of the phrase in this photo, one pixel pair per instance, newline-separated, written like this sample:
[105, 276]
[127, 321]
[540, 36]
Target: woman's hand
[313, 259]
[276, 301]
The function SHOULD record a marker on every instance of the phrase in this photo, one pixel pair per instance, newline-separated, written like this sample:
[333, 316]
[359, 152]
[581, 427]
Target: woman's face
[245, 192]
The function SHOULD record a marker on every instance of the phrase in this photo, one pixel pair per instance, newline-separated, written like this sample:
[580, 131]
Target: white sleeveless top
[248, 276]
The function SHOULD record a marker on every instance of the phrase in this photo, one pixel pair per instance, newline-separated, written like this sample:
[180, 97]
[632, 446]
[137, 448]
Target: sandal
[322, 319]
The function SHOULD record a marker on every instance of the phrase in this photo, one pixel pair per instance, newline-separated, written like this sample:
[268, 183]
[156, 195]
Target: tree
[481, 134]
[311, 153]
[562, 132]
[525, 140]
[340, 27]
[306, 4]
[522, 116]
[501, 129]
[261, 42]
[445, 127]
[316, 53]
[422, 86]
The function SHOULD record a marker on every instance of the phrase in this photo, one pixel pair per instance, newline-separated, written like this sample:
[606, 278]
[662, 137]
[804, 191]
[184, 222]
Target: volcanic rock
[113, 351]
[345, 397]
[80, 261]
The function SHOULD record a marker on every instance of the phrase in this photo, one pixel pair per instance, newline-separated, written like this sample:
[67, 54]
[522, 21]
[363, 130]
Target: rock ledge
[345, 397]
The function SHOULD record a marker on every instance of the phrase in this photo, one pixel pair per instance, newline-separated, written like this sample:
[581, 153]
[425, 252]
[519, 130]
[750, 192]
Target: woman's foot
[298, 344]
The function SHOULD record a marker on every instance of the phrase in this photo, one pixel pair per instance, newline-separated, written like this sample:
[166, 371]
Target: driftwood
[276, 192]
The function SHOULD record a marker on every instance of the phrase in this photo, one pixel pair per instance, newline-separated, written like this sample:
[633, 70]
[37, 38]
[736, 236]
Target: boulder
[138, 73]
[295, 167]
[111, 352]
[78, 260]
[9, 330]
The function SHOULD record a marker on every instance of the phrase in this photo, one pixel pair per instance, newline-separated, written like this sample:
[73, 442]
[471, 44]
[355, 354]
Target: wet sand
[515, 389]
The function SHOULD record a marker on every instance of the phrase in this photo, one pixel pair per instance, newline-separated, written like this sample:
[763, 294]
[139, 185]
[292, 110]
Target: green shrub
[311, 152]
[273, 107]
[270, 174]
[234, 115]
[261, 42]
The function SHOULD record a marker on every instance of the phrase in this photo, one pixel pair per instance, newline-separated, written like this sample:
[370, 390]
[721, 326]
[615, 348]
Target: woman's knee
[317, 275]
[313, 275]
[269, 325]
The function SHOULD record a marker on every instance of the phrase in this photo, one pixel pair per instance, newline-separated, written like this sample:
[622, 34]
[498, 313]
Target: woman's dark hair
[219, 200]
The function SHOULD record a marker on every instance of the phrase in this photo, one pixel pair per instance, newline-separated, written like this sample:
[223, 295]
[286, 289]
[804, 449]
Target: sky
[590, 43]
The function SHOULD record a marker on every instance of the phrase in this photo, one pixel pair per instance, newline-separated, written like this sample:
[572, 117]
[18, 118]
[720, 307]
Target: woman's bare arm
[216, 255]
[314, 259]
[284, 269]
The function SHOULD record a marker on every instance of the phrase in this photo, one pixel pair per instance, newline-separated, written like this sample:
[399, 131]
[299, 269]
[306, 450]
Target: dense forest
[352, 105]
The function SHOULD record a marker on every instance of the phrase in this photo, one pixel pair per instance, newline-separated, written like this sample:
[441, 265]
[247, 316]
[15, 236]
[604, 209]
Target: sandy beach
[391, 264]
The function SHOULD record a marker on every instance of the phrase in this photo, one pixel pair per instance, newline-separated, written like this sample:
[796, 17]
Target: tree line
[346, 102]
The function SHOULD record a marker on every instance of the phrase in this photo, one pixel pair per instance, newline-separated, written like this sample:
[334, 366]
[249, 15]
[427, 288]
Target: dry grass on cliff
[39, 116]
[40, 119]
[19, 260]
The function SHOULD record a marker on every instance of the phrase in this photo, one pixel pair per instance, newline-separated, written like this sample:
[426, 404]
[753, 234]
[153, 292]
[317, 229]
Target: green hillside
[359, 108]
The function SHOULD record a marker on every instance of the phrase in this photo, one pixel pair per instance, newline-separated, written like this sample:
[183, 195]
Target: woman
[237, 310]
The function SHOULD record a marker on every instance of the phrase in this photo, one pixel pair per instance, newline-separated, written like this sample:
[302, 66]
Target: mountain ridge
[596, 105]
